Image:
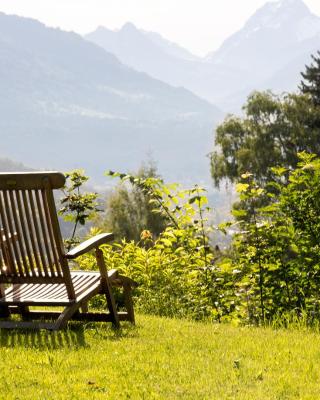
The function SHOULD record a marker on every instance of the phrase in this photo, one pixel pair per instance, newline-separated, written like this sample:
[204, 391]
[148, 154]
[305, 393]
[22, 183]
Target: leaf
[242, 187]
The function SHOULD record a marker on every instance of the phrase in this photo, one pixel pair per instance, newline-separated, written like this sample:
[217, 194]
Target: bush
[272, 267]
[175, 271]
[276, 251]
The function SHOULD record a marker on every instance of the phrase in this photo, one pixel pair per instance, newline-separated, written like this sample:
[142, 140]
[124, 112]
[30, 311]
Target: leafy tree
[272, 132]
[128, 210]
[276, 251]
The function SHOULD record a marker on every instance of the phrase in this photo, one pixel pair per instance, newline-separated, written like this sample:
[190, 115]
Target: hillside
[67, 103]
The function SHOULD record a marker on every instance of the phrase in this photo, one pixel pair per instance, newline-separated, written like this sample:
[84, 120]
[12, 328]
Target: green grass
[160, 359]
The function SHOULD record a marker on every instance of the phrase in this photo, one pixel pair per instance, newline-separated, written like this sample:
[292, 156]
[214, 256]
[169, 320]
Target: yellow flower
[145, 235]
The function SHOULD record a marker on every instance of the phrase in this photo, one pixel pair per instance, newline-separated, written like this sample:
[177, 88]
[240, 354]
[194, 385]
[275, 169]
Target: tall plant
[77, 206]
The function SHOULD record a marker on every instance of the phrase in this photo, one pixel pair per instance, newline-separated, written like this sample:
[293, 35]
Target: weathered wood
[128, 302]
[44, 235]
[53, 242]
[34, 267]
[30, 279]
[42, 293]
[13, 243]
[27, 266]
[31, 180]
[24, 235]
[31, 235]
[4, 308]
[90, 244]
[5, 262]
[7, 246]
[106, 287]
[58, 239]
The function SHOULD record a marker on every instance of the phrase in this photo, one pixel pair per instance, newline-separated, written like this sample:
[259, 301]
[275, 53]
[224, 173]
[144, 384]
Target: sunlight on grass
[160, 359]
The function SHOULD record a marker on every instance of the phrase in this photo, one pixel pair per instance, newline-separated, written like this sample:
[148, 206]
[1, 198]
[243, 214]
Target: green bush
[271, 269]
[175, 271]
[276, 250]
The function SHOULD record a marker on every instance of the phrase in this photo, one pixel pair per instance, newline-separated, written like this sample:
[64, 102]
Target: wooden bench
[34, 269]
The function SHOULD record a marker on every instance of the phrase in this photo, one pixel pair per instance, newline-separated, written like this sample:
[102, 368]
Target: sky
[198, 25]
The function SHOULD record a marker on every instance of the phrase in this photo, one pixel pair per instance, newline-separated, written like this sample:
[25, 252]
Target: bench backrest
[31, 246]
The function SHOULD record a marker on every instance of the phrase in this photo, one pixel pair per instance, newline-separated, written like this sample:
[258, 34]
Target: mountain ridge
[68, 104]
[273, 39]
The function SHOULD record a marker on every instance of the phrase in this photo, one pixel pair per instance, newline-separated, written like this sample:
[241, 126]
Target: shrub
[175, 271]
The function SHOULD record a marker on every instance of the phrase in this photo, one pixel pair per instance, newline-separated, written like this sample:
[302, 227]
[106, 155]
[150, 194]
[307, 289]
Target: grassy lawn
[160, 359]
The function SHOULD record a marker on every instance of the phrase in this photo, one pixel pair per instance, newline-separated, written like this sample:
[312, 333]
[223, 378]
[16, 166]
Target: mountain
[66, 103]
[151, 53]
[170, 48]
[130, 43]
[268, 52]
[276, 33]
[272, 47]
[148, 52]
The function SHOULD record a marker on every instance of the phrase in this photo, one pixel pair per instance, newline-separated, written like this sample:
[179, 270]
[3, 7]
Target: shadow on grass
[43, 340]
[100, 331]
[72, 337]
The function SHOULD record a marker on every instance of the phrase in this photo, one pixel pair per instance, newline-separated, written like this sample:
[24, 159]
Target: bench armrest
[92, 243]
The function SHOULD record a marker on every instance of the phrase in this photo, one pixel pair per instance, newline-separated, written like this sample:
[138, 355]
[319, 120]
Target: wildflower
[146, 235]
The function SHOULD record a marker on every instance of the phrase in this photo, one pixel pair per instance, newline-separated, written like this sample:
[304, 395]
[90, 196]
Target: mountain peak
[102, 29]
[275, 15]
[291, 3]
[129, 27]
[276, 26]
[283, 5]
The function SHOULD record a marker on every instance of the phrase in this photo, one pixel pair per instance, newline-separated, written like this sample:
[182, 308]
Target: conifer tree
[311, 80]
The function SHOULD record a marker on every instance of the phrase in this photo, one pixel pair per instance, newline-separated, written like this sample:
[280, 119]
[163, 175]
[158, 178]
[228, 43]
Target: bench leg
[4, 311]
[127, 292]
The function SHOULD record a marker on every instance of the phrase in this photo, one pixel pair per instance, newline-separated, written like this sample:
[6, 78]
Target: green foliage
[77, 207]
[311, 80]
[176, 271]
[128, 208]
[273, 131]
[271, 272]
[276, 251]
[272, 267]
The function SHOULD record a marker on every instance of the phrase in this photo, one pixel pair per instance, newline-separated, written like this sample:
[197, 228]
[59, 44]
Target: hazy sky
[198, 25]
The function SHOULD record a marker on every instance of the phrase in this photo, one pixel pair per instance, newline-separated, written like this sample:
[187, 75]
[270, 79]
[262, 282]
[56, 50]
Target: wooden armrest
[90, 244]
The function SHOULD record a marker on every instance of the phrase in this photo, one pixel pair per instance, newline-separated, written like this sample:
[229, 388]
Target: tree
[276, 253]
[76, 206]
[311, 83]
[272, 132]
[128, 210]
